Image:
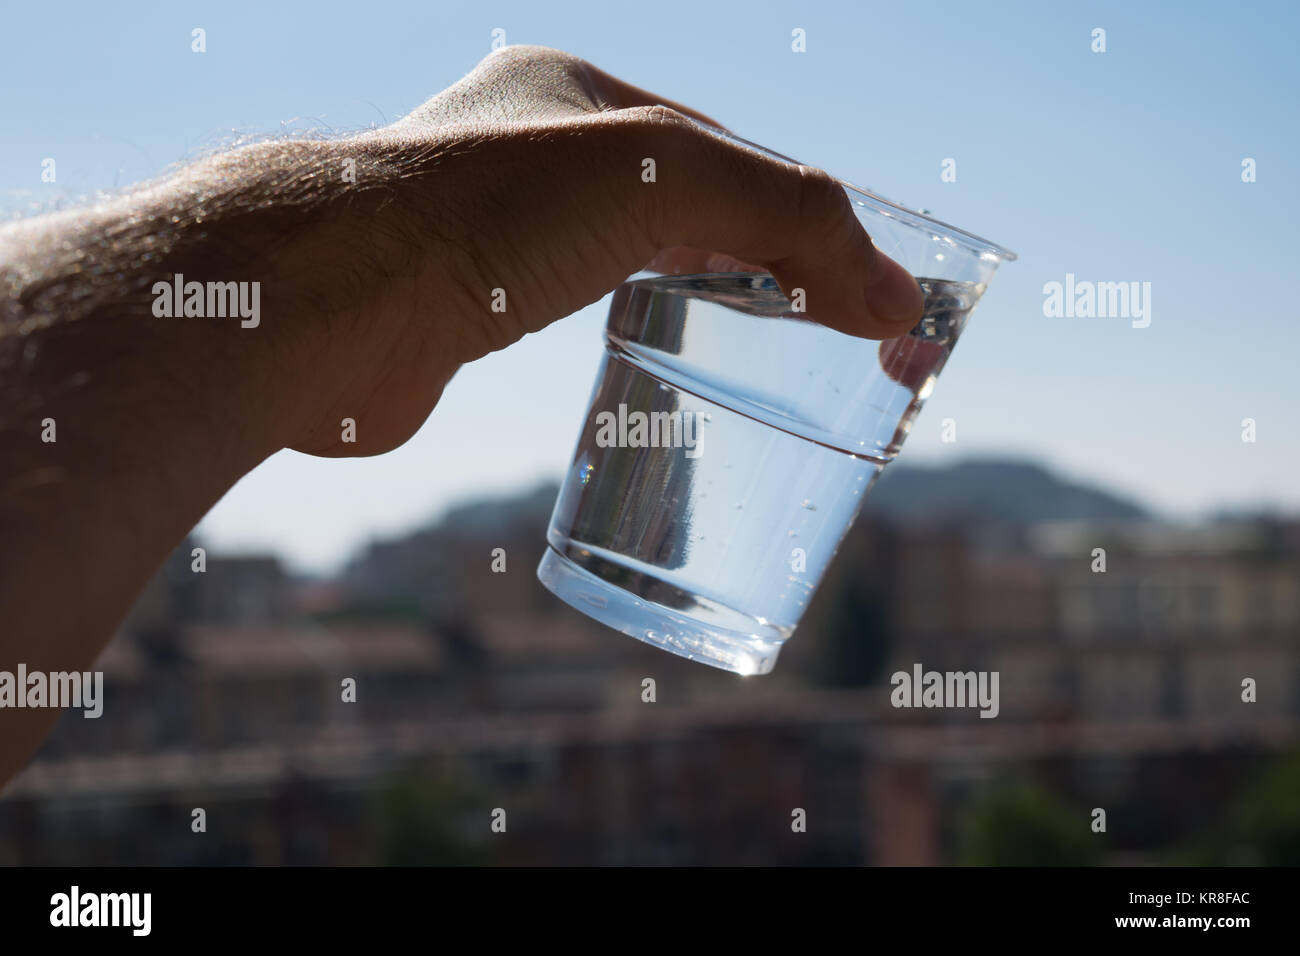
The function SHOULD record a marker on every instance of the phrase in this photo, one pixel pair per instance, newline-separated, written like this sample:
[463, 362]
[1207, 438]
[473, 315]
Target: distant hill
[978, 490]
[423, 572]
[501, 515]
[991, 490]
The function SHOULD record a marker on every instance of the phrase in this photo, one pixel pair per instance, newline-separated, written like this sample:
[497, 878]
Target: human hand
[526, 177]
[373, 263]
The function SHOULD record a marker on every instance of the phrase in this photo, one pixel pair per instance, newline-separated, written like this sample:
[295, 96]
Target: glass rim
[914, 217]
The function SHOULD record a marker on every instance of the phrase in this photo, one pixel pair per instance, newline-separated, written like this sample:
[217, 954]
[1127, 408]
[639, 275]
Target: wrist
[324, 233]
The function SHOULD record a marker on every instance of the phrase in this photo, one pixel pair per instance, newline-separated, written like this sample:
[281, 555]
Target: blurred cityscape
[477, 690]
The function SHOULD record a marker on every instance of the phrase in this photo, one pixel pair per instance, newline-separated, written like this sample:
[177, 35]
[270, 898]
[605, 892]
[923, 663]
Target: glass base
[652, 623]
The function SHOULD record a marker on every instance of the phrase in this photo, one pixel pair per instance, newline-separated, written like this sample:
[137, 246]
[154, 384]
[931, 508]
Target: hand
[376, 258]
[526, 177]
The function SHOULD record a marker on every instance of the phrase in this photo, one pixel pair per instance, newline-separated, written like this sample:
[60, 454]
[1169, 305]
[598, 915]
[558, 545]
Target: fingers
[910, 362]
[796, 221]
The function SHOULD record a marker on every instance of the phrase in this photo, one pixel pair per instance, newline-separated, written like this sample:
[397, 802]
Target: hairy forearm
[120, 425]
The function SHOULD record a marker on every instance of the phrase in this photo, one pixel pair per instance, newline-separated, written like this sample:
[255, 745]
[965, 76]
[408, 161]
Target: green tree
[1022, 824]
[415, 823]
[1267, 818]
[857, 638]
[1263, 826]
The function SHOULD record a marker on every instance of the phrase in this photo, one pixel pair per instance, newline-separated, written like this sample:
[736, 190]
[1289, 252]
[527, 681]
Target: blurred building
[228, 691]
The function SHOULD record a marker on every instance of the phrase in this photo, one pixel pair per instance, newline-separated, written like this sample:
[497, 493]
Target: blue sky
[1115, 166]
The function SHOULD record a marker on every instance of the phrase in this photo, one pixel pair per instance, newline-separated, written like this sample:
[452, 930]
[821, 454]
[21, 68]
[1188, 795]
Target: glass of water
[730, 441]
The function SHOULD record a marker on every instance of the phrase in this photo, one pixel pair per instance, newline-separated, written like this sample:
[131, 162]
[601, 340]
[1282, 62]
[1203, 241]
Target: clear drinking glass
[729, 443]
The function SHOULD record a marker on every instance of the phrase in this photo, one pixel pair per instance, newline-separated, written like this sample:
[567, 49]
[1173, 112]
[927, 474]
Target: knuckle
[528, 63]
[670, 138]
[825, 207]
[658, 118]
[821, 197]
[528, 53]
